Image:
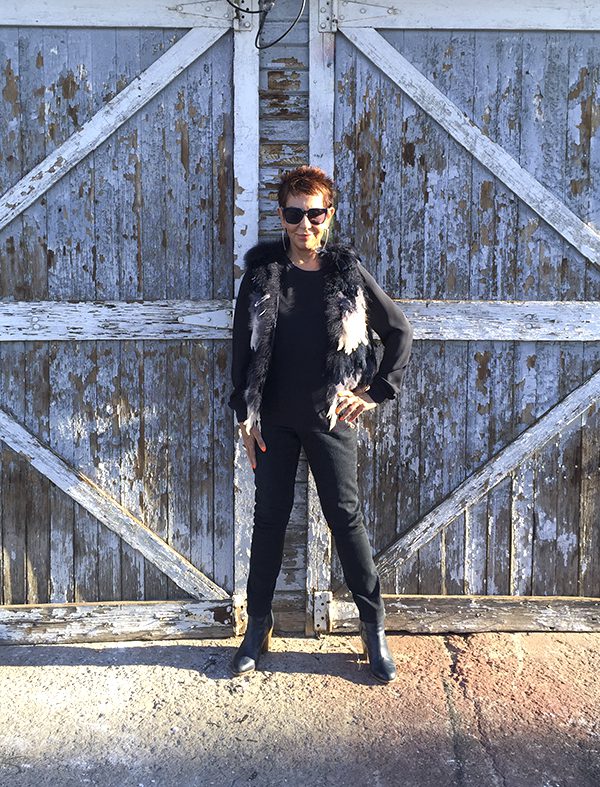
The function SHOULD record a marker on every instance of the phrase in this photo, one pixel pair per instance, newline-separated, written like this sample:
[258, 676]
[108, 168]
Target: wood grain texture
[29, 624]
[422, 614]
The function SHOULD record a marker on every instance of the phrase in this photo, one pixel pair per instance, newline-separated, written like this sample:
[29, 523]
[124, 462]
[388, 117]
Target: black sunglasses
[295, 215]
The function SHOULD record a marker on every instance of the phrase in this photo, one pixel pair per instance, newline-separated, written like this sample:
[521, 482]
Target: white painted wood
[110, 621]
[318, 557]
[471, 15]
[133, 13]
[85, 492]
[583, 237]
[86, 321]
[545, 321]
[556, 420]
[112, 115]
[245, 235]
[321, 91]
[245, 148]
[425, 614]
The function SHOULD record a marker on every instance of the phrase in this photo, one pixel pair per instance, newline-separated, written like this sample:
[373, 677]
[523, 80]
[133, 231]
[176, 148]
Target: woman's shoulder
[263, 253]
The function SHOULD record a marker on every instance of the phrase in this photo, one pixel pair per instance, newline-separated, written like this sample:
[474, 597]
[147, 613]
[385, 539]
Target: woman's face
[305, 236]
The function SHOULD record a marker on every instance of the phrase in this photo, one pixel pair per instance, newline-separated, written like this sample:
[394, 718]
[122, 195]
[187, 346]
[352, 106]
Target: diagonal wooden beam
[498, 467]
[118, 110]
[493, 156]
[85, 492]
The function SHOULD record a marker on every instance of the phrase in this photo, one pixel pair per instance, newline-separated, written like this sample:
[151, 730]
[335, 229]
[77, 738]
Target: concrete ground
[484, 709]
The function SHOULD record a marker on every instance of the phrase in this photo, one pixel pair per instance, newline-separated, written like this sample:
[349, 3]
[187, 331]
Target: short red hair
[306, 180]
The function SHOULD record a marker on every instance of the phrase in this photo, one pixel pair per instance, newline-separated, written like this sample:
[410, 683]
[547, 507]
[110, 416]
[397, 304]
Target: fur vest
[351, 360]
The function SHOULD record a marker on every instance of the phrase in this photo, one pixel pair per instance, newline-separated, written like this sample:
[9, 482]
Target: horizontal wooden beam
[107, 621]
[557, 419]
[583, 237]
[134, 13]
[90, 321]
[112, 115]
[544, 321]
[107, 510]
[471, 15]
[474, 614]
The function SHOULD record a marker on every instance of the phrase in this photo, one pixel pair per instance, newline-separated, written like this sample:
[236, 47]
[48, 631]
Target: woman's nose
[306, 223]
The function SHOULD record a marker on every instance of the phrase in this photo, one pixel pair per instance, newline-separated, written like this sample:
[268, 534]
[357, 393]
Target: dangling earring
[283, 237]
[326, 238]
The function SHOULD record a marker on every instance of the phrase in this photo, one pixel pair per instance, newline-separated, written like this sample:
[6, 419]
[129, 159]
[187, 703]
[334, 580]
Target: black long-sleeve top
[296, 379]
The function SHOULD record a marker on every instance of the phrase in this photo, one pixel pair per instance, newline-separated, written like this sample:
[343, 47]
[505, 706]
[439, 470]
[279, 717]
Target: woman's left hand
[352, 404]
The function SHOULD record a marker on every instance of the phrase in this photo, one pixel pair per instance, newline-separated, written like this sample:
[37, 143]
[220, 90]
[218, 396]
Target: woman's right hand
[250, 441]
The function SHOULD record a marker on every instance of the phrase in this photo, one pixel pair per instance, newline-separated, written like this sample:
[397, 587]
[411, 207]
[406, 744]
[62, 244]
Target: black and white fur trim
[351, 361]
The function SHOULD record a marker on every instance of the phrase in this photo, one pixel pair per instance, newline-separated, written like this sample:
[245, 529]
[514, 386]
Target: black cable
[263, 16]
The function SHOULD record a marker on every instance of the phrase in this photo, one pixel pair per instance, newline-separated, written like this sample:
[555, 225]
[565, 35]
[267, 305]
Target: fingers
[250, 441]
[259, 438]
[251, 454]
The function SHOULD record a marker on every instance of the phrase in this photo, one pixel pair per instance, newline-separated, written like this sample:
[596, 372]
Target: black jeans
[332, 457]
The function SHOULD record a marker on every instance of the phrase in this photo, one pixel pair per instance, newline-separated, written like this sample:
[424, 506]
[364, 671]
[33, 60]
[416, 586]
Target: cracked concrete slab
[483, 709]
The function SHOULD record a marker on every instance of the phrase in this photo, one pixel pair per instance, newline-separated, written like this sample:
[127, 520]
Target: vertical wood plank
[33, 222]
[62, 357]
[223, 250]
[245, 235]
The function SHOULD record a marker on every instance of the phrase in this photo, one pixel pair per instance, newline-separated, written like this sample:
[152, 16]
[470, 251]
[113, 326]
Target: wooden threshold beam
[106, 621]
[417, 614]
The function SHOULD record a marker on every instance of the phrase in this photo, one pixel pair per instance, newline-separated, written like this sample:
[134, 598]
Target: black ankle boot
[376, 648]
[256, 641]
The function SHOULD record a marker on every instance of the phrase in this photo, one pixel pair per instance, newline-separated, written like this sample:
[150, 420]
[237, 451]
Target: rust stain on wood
[10, 91]
[483, 370]
[283, 80]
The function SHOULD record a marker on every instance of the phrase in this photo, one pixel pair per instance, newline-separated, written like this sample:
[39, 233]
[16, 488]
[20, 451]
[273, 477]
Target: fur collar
[341, 255]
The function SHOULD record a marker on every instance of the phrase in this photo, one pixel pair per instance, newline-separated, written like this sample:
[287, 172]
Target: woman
[304, 369]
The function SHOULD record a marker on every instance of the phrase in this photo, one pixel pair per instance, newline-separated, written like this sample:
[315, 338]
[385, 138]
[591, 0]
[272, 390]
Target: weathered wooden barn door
[128, 170]
[466, 146]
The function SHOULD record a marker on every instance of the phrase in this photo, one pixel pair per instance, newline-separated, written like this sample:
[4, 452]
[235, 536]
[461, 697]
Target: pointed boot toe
[375, 647]
[257, 640]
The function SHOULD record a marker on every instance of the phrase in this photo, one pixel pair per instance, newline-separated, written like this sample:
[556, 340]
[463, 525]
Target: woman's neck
[308, 260]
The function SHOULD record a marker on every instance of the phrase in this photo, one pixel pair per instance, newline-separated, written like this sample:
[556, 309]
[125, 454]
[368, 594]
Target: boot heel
[267, 641]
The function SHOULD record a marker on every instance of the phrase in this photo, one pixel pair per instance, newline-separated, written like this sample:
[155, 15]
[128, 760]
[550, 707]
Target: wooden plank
[117, 229]
[44, 624]
[557, 419]
[141, 579]
[13, 497]
[93, 499]
[32, 283]
[109, 118]
[430, 555]
[245, 235]
[589, 514]
[134, 13]
[173, 319]
[544, 321]
[245, 150]
[13, 283]
[582, 236]
[321, 92]
[474, 613]
[223, 282]
[469, 15]
[319, 549]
